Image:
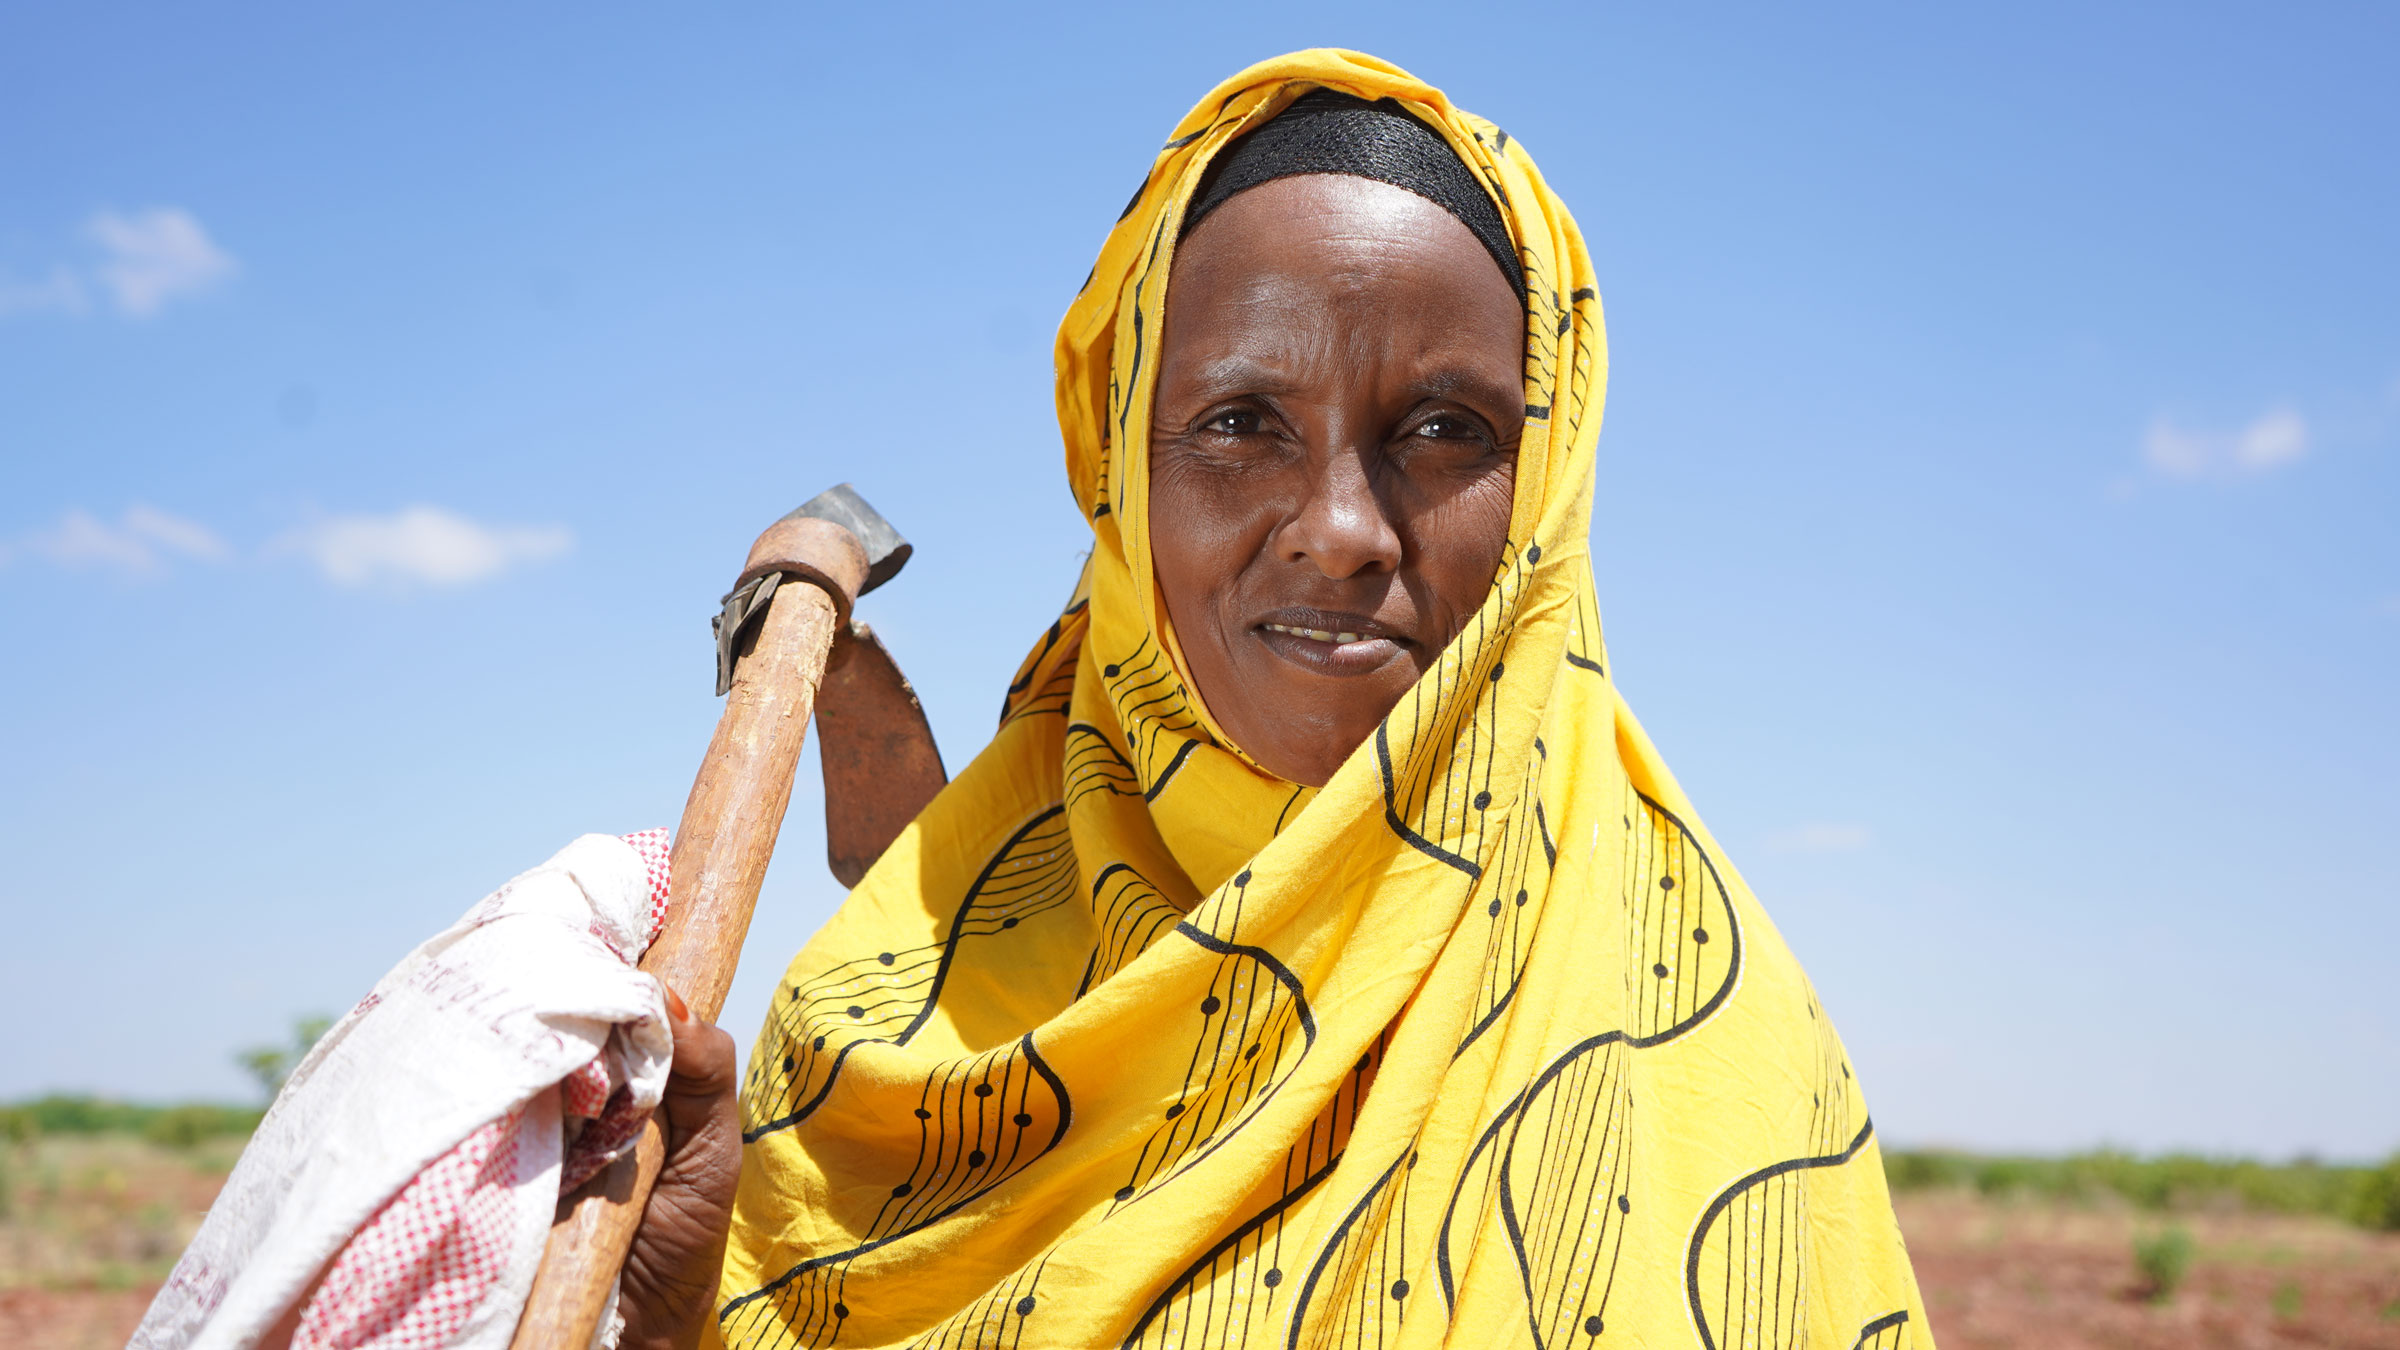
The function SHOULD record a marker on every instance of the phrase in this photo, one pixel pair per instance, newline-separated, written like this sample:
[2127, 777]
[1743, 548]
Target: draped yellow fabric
[1127, 1042]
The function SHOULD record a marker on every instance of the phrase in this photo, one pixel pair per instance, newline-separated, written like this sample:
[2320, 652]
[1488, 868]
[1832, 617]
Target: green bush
[2286, 1300]
[1927, 1171]
[175, 1126]
[2164, 1258]
[2376, 1203]
[188, 1126]
[271, 1065]
[2168, 1184]
[61, 1114]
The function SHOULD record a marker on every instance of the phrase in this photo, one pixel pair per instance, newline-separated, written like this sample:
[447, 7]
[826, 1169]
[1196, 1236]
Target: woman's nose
[1341, 525]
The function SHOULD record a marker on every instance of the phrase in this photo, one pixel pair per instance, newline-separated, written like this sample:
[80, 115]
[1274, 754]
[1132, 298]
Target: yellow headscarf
[1127, 1042]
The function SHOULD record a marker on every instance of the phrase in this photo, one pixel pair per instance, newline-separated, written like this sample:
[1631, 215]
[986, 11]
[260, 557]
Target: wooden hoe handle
[721, 852]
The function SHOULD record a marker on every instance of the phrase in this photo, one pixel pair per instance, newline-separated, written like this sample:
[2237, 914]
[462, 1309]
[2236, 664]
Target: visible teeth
[1314, 634]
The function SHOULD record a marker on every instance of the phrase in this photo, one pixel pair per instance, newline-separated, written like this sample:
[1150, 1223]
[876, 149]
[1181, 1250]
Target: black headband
[1330, 132]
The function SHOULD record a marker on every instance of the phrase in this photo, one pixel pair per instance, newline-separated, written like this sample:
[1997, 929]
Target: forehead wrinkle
[1369, 354]
[1463, 384]
[1254, 345]
[1432, 371]
[1305, 301]
[1240, 372]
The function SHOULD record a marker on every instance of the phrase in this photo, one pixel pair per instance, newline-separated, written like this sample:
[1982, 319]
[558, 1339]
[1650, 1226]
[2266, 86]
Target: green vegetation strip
[2367, 1196]
[175, 1126]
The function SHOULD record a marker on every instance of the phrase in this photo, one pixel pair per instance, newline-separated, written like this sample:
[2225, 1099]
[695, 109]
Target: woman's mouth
[1331, 644]
[1312, 634]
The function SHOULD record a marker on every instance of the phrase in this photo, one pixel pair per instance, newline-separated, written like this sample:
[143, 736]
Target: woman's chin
[1301, 726]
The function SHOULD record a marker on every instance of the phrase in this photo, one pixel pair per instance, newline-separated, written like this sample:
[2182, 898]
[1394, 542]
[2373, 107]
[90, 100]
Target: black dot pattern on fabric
[1022, 1119]
[1330, 132]
[1273, 1278]
[976, 1158]
[1209, 1006]
[983, 1089]
[1124, 1193]
[1592, 1325]
[1025, 1306]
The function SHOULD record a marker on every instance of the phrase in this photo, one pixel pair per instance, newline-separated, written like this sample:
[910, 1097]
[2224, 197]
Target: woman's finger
[670, 1275]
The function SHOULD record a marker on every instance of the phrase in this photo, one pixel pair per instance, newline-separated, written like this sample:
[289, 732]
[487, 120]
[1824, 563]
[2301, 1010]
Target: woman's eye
[1232, 422]
[1449, 427]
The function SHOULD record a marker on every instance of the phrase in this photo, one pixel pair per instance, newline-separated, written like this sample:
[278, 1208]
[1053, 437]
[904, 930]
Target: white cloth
[420, 1142]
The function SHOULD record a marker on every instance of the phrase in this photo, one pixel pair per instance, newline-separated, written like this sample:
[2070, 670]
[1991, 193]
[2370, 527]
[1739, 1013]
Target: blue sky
[1996, 521]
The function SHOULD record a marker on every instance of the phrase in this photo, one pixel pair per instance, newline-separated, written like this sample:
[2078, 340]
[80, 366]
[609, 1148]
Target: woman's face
[1333, 451]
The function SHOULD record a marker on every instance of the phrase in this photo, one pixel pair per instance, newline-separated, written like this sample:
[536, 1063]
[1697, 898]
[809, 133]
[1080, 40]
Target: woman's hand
[669, 1286]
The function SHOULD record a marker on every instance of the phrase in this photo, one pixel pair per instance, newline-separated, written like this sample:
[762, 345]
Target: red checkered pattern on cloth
[617, 1124]
[418, 1270]
[653, 847]
[584, 1092]
[601, 1116]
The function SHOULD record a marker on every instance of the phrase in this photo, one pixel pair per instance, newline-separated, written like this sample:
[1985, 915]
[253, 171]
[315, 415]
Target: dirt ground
[88, 1228]
[71, 1319]
[2001, 1274]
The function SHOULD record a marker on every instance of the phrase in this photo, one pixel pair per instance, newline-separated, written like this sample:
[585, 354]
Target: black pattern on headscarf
[1330, 132]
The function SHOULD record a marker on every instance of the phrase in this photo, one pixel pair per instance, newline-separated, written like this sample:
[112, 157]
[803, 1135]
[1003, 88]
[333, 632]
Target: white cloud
[140, 544]
[155, 256]
[421, 545]
[148, 258]
[1820, 839]
[2276, 438]
[174, 532]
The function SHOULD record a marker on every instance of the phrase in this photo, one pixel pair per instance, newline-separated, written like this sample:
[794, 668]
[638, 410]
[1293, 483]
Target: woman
[1319, 954]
